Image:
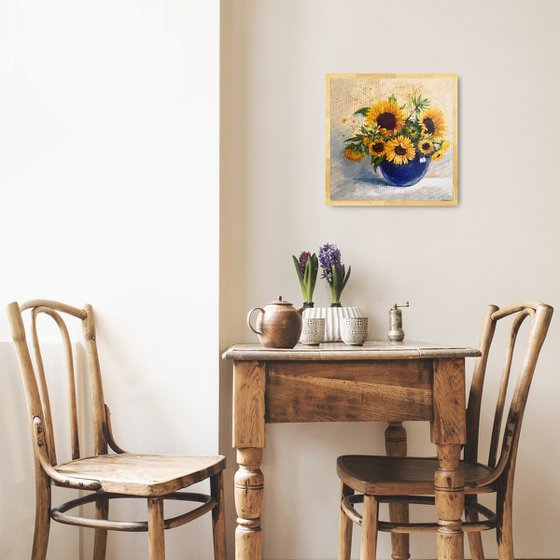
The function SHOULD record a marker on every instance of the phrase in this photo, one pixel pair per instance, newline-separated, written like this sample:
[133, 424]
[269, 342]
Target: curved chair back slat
[35, 379]
[539, 315]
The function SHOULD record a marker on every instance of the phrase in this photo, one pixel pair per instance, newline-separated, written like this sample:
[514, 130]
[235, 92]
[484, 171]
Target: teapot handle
[249, 319]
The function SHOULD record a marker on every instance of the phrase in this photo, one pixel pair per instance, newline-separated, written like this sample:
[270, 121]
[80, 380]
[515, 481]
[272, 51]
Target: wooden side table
[335, 382]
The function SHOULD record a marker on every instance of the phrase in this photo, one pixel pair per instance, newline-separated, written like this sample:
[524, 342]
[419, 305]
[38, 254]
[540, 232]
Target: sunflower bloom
[387, 115]
[366, 141]
[377, 148]
[400, 150]
[437, 156]
[353, 155]
[432, 122]
[445, 145]
[425, 146]
[413, 132]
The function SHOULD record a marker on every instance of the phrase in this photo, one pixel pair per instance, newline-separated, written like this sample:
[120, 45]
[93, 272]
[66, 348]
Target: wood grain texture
[156, 538]
[348, 391]
[345, 526]
[248, 404]
[100, 539]
[42, 513]
[218, 517]
[449, 423]
[450, 501]
[249, 494]
[142, 474]
[368, 542]
[338, 351]
[387, 476]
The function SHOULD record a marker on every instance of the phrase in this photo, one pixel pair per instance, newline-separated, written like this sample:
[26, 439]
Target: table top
[336, 351]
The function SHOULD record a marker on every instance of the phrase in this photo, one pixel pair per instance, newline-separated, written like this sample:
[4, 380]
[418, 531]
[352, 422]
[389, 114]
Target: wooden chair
[379, 479]
[109, 476]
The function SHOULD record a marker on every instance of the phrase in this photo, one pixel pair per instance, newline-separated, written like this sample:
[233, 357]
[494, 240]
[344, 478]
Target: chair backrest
[35, 380]
[539, 315]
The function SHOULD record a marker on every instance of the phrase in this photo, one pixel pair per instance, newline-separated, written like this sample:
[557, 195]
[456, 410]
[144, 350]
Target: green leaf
[363, 111]
[299, 274]
[392, 98]
[298, 270]
[314, 268]
[346, 278]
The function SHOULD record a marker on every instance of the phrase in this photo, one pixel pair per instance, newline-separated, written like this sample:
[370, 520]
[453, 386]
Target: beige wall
[499, 245]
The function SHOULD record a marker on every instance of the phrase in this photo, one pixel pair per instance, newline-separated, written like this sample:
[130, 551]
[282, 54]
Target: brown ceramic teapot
[278, 324]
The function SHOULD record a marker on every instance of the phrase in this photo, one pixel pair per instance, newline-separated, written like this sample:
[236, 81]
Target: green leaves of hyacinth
[306, 267]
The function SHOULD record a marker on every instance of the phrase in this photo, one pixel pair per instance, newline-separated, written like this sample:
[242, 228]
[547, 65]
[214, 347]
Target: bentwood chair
[378, 479]
[156, 478]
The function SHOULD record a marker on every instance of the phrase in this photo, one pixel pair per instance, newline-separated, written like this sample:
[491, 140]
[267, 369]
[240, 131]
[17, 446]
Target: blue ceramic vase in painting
[405, 175]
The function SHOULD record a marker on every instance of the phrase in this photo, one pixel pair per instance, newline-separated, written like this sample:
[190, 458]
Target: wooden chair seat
[385, 476]
[143, 475]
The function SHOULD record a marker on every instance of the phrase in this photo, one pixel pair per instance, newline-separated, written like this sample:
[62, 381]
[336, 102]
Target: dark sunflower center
[377, 147]
[430, 126]
[425, 146]
[400, 151]
[387, 121]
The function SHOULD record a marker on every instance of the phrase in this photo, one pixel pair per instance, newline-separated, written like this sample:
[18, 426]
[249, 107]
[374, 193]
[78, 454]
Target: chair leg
[475, 538]
[344, 528]
[218, 517]
[156, 538]
[369, 528]
[504, 529]
[396, 446]
[42, 519]
[100, 541]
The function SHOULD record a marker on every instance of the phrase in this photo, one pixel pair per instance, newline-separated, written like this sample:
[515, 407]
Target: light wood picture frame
[391, 140]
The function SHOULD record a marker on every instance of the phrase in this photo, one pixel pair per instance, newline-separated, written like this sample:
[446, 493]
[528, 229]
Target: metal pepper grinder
[396, 333]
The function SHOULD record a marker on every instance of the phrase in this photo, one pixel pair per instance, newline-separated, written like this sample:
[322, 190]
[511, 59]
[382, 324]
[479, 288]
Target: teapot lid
[279, 301]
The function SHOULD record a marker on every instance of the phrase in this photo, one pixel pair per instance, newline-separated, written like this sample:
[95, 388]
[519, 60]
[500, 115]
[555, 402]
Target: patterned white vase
[332, 316]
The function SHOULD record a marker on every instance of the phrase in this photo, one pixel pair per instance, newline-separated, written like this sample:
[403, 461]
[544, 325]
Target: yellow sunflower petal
[377, 148]
[353, 155]
[433, 122]
[386, 115]
[400, 150]
[425, 146]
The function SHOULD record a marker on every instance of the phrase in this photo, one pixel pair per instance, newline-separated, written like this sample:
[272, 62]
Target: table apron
[391, 390]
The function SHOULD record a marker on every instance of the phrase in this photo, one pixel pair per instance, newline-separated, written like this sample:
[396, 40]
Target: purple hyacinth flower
[329, 256]
[303, 258]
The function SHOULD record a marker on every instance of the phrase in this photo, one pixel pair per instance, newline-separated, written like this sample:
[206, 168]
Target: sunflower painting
[392, 139]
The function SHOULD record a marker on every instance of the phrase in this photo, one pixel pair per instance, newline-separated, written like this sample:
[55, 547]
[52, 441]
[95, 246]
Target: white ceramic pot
[332, 316]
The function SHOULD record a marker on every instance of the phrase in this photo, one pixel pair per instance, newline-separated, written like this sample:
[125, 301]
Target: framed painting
[392, 139]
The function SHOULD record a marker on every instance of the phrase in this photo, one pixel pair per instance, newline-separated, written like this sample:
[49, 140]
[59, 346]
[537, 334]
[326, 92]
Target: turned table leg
[248, 496]
[448, 433]
[248, 439]
[450, 502]
[395, 446]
